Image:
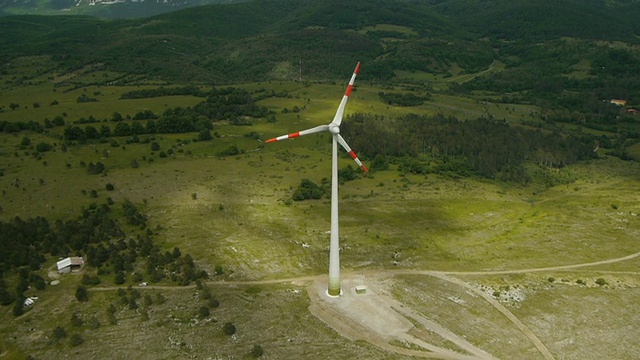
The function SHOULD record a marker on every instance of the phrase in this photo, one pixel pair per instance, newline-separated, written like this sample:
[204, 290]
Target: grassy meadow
[235, 211]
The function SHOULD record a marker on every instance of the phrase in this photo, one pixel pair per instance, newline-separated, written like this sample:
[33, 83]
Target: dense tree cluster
[163, 91]
[12, 127]
[308, 190]
[85, 98]
[402, 99]
[485, 147]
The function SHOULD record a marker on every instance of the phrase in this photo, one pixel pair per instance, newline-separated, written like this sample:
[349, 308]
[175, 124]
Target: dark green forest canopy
[484, 147]
[246, 41]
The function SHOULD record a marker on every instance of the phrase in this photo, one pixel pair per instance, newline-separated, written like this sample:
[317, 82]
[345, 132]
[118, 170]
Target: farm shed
[70, 264]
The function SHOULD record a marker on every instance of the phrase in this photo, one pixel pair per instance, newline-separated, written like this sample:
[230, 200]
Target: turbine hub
[334, 129]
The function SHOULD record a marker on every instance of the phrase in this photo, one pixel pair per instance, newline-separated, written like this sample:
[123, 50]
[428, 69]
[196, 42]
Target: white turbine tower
[334, 128]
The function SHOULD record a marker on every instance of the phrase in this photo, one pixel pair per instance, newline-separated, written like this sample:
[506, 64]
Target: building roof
[70, 261]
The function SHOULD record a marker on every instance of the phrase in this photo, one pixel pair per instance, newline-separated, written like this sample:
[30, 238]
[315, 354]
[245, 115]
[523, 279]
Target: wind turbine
[334, 128]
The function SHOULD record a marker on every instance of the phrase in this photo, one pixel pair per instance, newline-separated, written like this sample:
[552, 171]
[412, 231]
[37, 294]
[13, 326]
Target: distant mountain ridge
[267, 39]
[101, 8]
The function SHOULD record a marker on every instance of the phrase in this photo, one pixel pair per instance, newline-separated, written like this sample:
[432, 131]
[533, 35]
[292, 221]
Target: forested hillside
[268, 39]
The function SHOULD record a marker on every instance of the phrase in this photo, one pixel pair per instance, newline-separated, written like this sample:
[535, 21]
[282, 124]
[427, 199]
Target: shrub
[76, 320]
[205, 294]
[94, 323]
[90, 280]
[59, 333]
[256, 351]
[228, 329]
[213, 303]
[230, 151]
[76, 339]
[204, 135]
[43, 147]
[380, 163]
[601, 282]
[110, 187]
[119, 278]
[82, 294]
[204, 311]
[132, 304]
[218, 270]
[307, 190]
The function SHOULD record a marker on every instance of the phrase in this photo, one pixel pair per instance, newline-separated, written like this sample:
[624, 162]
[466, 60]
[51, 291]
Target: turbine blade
[353, 155]
[337, 119]
[300, 133]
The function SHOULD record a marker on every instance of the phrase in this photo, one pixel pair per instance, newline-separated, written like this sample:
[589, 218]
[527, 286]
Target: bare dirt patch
[377, 318]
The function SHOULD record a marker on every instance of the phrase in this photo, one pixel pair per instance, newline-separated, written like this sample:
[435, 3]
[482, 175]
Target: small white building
[75, 263]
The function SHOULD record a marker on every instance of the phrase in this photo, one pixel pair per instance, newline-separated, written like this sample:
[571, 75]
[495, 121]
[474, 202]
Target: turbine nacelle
[334, 129]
